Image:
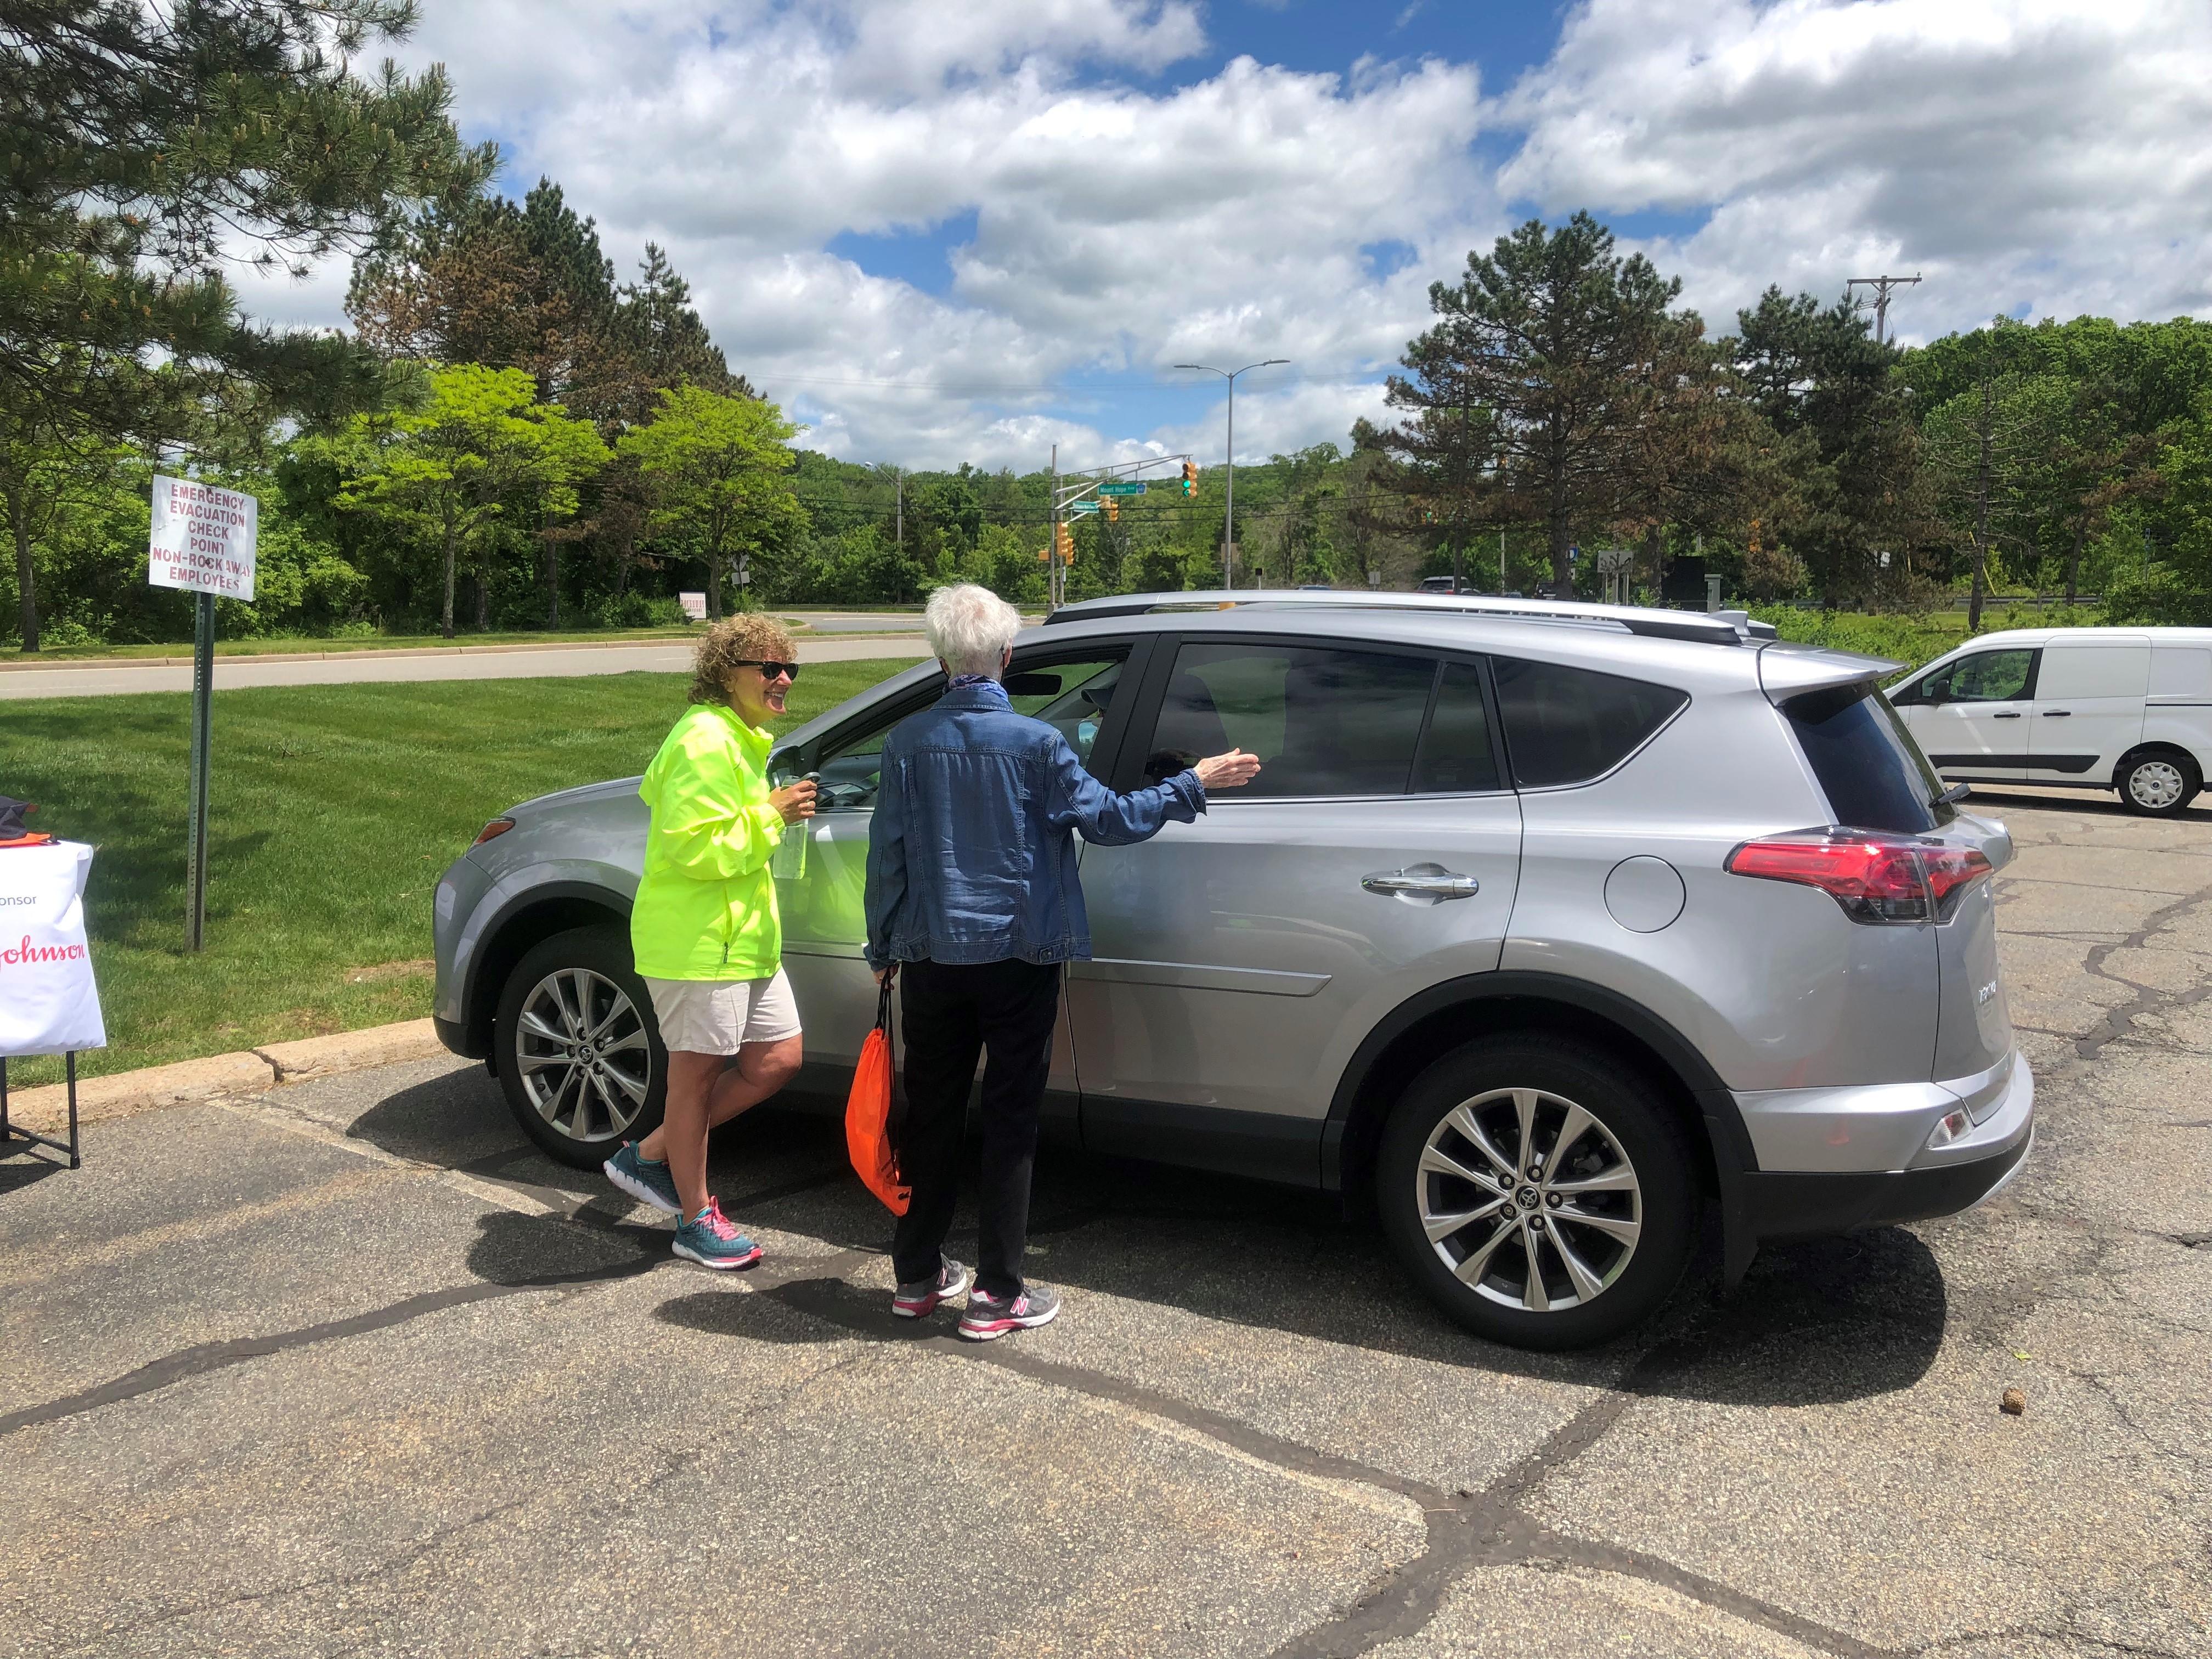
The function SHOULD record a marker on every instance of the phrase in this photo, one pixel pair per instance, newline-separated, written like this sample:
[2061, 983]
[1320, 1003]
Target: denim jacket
[970, 854]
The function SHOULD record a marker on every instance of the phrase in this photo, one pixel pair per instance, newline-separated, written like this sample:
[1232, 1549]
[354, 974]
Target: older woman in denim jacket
[972, 889]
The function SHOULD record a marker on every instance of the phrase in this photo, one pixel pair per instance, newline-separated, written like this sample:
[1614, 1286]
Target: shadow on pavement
[22, 1165]
[2100, 804]
[1833, 1319]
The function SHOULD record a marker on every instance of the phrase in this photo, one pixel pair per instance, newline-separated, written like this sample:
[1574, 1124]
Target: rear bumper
[1881, 1127]
[1786, 1204]
[1778, 1204]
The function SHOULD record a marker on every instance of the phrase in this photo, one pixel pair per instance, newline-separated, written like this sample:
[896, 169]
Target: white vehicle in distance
[2122, 708]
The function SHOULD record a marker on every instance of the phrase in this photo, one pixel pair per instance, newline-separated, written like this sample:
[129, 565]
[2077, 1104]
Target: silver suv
[1545, 925]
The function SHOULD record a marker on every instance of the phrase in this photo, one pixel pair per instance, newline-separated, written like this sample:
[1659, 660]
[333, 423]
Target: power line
[1881, 286]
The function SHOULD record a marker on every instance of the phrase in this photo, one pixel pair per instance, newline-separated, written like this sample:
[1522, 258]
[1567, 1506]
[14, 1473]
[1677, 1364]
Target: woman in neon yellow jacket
[704, 932]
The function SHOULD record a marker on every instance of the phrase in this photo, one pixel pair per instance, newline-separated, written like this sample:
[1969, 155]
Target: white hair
[970, 629]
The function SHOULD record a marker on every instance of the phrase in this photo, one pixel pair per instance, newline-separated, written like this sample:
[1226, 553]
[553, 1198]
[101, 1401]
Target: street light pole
[1229, 510]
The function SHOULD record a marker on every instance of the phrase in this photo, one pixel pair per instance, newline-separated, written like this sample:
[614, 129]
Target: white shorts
[719, 1016]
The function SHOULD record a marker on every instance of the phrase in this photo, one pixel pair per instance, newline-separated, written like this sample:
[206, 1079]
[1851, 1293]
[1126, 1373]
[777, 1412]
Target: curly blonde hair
[749, 637]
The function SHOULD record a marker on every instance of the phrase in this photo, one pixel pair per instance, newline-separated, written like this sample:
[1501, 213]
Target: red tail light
[1950, 869]
[498, 827]
[1874, 877]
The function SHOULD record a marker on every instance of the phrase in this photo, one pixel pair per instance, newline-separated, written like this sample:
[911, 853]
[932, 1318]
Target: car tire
[1614, 1230]
[2159, 783]
[580, 1054]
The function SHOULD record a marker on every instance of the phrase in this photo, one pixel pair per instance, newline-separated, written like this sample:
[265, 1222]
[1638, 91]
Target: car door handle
[2057, 714]
[1422, 881]
[2012, 715]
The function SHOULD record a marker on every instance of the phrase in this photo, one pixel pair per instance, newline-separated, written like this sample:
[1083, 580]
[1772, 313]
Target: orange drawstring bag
[868, 1115]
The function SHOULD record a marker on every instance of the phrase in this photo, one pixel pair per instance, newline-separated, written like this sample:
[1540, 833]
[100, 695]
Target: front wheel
[1542, 1195]
[2157, 785]
[579, 1052]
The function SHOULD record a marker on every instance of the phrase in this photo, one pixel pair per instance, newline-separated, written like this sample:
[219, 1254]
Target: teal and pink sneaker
[710, 1239]
[643, 1180]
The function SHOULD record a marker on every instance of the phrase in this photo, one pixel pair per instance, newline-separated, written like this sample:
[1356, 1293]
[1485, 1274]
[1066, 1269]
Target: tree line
[511, 434]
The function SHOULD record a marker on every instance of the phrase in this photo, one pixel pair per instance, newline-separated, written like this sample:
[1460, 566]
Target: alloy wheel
[1529, 1199]
[582, 1054]
[2155, 785]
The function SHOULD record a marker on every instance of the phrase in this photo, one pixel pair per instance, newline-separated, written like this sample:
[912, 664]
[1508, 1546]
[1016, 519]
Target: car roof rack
[1710, 628]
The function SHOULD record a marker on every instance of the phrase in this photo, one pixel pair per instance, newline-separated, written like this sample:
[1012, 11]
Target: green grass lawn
[334, 811]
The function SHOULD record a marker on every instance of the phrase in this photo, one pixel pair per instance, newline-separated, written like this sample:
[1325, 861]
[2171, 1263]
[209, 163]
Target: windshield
[1873, 773]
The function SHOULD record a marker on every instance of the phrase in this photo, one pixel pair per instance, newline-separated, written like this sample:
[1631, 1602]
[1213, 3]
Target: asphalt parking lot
[352, 1369]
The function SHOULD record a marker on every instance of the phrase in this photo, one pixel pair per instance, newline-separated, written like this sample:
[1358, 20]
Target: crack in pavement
[209, 1357]
[2119, 1019]
[1464, 1529]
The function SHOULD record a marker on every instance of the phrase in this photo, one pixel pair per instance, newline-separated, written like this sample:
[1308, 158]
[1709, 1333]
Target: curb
[223, 1077]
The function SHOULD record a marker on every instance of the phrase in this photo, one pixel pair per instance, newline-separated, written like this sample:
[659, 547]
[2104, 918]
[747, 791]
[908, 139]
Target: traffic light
[1190, 478]
[1113, 509]
[1063, 542]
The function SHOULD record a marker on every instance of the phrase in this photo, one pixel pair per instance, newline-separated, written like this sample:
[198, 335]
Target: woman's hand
[1226, 771]
[794, 801]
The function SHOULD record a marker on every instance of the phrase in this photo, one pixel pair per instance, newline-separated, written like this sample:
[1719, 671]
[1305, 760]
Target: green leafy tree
[479, 449]
[137, 144]
[718, 468]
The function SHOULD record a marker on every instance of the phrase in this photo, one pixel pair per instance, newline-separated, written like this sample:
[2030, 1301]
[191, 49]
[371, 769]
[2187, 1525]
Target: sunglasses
[768, 670]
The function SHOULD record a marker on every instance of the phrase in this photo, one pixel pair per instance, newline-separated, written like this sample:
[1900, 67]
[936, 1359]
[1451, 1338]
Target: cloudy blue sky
[942, 230]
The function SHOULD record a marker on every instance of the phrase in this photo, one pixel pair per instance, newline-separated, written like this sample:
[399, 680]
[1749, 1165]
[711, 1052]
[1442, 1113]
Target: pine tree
[137, 144]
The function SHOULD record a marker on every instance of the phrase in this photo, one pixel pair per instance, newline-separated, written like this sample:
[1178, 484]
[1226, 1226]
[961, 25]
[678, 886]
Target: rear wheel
[1542, 1195]
[2159, 783]
[580, 1054]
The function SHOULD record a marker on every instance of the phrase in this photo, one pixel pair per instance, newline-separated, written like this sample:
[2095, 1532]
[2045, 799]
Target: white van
[2124, 708]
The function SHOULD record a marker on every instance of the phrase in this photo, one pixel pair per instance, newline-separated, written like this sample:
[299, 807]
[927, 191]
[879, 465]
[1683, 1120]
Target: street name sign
[204, 538]
[1083, 506]
[1134, 487]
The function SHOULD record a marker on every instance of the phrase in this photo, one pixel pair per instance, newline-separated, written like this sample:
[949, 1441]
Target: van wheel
[579, 1054]
[1542, 1195]
[2159, 783]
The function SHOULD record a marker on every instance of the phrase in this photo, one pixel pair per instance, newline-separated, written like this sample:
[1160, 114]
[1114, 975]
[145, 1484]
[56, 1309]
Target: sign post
[204, 540]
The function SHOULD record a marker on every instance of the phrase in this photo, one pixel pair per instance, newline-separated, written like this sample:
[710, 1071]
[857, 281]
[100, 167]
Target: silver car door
[1239, 960]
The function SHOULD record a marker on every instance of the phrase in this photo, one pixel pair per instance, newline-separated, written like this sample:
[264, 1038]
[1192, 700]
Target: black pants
[955, 1012]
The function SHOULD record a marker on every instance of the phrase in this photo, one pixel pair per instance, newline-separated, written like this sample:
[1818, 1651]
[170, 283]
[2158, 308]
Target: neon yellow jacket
[706, 906]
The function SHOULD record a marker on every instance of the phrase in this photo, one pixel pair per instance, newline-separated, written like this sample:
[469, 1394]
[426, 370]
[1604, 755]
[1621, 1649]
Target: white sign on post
[204, 538]
[695, 606]
[48, 1003]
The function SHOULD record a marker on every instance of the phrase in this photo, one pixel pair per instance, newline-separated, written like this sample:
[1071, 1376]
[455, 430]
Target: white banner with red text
[48, 1002]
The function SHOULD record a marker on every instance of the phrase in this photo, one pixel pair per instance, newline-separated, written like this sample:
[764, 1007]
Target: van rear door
[2089, 708]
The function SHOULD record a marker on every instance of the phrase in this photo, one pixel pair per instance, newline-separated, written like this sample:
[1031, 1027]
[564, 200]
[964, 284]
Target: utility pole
[1052, 542]
[1228, 505]
[1881, 286]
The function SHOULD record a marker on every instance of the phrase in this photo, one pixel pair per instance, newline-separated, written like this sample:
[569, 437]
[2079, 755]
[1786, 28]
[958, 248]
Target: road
[354, 1370]
[530, 662]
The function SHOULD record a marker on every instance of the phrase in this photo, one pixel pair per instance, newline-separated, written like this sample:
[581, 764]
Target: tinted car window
[1456, 753]
[1872, 772]
[1570, 724]
[1323, 722]
[1072, 698]
[1985, 677]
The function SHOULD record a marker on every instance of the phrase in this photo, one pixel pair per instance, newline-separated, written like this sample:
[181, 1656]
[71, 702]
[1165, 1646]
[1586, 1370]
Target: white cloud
[1117, 227]
[2044, 156]
[2021, 154]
